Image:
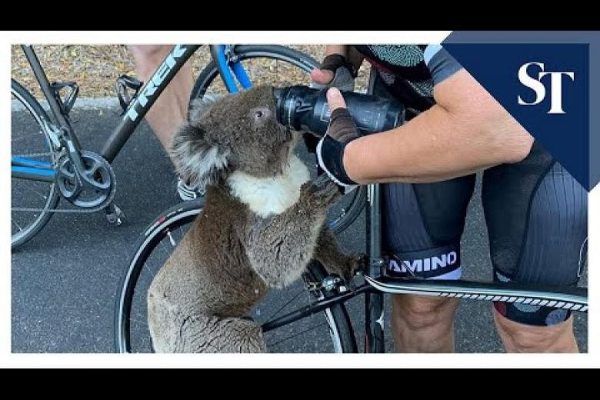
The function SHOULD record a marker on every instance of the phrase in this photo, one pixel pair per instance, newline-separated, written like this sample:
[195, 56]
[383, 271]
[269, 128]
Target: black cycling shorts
[536, 216]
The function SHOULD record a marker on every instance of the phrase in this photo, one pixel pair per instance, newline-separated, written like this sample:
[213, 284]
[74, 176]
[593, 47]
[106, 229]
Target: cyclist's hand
[335, 71]
[341, 131]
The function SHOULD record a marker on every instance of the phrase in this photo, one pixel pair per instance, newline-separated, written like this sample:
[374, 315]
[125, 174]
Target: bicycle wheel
[29, 141]
[281, 66]
[327, 331]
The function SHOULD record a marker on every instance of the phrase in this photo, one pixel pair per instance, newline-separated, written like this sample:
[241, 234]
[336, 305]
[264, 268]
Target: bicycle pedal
[114, 215]
[123, 86]
[68, 99]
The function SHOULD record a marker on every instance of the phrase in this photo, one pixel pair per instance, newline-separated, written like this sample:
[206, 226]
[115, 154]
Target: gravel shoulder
[96, 67]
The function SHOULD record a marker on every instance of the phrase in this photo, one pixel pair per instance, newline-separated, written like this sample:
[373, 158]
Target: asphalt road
[64, 280]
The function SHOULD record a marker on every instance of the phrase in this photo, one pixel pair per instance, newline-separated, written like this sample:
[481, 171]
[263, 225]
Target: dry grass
[96, 67]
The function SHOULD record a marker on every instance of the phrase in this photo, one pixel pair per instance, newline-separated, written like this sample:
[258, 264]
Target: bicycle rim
[274, 65]
[29, 139]
[329, 331]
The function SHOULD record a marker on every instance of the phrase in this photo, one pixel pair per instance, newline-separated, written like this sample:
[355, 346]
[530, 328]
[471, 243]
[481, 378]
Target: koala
[261, 224]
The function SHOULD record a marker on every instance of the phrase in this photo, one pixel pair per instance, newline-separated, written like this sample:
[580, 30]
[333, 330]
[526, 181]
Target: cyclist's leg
[422, 226]
[522, 338]
[170, 109]
[536, 215]
[423, 324]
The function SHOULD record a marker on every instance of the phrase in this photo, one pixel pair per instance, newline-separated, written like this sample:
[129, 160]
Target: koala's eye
[260, 114]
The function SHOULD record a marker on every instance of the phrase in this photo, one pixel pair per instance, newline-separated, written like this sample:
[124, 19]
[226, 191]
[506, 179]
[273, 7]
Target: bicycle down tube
[152, 89]
[148, 94]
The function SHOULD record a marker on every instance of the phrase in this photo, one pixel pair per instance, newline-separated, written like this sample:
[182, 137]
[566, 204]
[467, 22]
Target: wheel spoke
[36, 192]
[18, 226]
[149, 271]
[36, 155]
[312, 328]
[165, 248]
[273, 315]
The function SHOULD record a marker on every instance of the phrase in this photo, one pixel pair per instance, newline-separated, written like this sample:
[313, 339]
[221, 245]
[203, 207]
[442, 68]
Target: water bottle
[306, 109]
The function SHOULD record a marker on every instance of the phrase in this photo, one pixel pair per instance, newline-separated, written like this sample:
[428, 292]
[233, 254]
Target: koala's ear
[198, 161]
[199, 107]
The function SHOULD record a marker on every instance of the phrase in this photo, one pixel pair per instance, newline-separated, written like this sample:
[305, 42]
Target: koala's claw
[360, 264]
[352, 267]
[324, 189]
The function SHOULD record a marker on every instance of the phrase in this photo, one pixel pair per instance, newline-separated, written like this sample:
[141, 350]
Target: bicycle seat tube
[38, 71]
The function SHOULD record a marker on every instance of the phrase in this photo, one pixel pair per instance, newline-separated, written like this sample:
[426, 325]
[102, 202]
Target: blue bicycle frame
[232, 73]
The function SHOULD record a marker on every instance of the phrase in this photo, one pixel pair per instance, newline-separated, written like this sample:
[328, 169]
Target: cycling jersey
[536, 213]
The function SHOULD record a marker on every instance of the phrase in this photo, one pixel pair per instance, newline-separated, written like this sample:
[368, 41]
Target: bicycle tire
[24, 97]
[175, 217]
[244, 52]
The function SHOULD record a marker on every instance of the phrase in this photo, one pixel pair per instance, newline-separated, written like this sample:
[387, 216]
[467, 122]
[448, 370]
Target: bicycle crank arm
[574, 299]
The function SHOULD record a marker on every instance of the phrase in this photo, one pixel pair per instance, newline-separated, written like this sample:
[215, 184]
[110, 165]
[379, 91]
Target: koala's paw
[360, 264]
[350, 267]
[323, 190]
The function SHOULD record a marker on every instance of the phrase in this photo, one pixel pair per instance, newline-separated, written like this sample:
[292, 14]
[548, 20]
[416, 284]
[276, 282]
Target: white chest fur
[268, 196]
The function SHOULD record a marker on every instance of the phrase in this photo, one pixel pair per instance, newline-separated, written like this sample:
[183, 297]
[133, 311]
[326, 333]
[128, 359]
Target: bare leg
[169, 111]
[423, 324]
[522, 338]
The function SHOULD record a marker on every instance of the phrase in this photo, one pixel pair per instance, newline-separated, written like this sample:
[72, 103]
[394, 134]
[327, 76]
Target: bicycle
[52, 165]
[325, 312]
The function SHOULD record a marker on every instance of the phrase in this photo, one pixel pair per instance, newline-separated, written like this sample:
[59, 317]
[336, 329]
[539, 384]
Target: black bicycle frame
[134, 113]
[148, 94]
[374, 339]
[47, 90]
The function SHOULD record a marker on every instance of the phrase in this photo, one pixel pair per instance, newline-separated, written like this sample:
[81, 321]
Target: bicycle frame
[574, 299]
[61, 130]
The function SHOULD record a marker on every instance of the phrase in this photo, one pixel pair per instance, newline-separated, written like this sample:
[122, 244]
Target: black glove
[330, 150]
[344, 72]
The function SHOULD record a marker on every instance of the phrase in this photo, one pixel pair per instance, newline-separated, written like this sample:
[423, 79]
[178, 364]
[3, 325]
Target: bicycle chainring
[94, 188]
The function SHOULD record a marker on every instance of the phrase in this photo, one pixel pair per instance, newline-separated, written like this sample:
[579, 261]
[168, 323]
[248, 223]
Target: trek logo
[156, 80]
[535, 84]
[424, 264]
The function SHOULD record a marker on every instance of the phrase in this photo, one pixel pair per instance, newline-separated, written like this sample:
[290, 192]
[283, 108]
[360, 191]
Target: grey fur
[231, 256]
